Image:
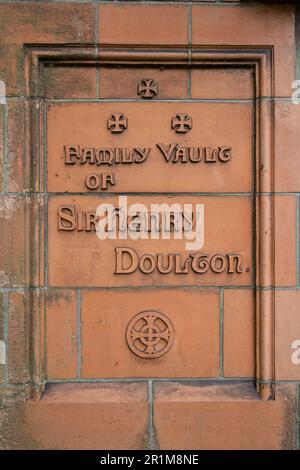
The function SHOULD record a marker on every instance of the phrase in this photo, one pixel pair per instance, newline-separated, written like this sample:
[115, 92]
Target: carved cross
[117, 122]
[147, 88]
[182, 122]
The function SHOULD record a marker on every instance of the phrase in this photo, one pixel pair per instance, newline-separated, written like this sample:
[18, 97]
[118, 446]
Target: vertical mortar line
[5, 148]
[78, 332]
[190, 19]
[221, 333]
[297, 240]
[45, 191]
[189, 51]
[44, 333]
[36, 197]
[29, 181]
[297, 411]
[254, 182]
[189, 76]
[97, 50]
[5, 335]
[151, 438]
[297, 40]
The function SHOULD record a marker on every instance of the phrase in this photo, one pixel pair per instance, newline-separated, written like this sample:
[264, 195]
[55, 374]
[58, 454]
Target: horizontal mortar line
[150, 2]
[148, 194]
[121, 288]
[209, 380]
[125, 100]
[274, 98]
[61, 1]
[208, 286]
[166, 2]
[275, 288]
[154, 379]
[163, 47]
[65, 1]
[152, 100]
[168, 100]
[176, 48]
[186, 3]
[155, 100]
[120, 2]
[279, 193]
[214, 380]
[278, 382]
[140, 193]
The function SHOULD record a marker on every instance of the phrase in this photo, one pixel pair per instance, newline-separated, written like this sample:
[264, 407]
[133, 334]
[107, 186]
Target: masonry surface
[229, 380]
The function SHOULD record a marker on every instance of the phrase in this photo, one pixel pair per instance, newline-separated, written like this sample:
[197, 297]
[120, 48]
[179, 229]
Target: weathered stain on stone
[286, 393]
[54, 295]
[9, 206]
[12, 422]
[4, 279]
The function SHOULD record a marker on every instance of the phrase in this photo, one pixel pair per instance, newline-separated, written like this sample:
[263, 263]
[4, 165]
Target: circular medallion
[150, 334]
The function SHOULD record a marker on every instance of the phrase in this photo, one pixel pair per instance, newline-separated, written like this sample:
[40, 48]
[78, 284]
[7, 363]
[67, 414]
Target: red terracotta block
[25, 160]
[222, 83]
[251, 25]
[2, 145]
[69, 82]
[37, 341]
[17, 139]
[264, 155]
[287, 165]
[143, 24]
[287, 335]
[37, 233]
[195, 319]
[223, 417]
[89, 416]
[122, 82]
[18, 334]
[12, 67]
[61, 349]
[21, 241]
[285, 240]
[12, 241]
[1, 334]
[37, 22]
[239, 333]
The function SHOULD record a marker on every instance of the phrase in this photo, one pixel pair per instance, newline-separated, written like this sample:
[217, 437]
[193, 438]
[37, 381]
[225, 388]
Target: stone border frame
[261, 59]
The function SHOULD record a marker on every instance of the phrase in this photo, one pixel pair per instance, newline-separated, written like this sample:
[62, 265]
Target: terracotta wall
[239, 387]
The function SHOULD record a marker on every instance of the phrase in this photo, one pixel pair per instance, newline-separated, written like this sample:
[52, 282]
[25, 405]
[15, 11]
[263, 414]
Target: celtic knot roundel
[150, 334]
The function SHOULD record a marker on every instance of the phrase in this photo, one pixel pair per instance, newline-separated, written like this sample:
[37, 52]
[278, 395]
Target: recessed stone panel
[77, 257]
[193, 348]
[150, 147]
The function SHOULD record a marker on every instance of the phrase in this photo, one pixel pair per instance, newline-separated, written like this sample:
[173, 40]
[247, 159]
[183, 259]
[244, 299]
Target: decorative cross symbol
[147, 88]
[117, 122]
[150, 334]
[182, 122]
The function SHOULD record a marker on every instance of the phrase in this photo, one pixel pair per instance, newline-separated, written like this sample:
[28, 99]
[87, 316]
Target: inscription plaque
[113, 169]
[215, 155]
